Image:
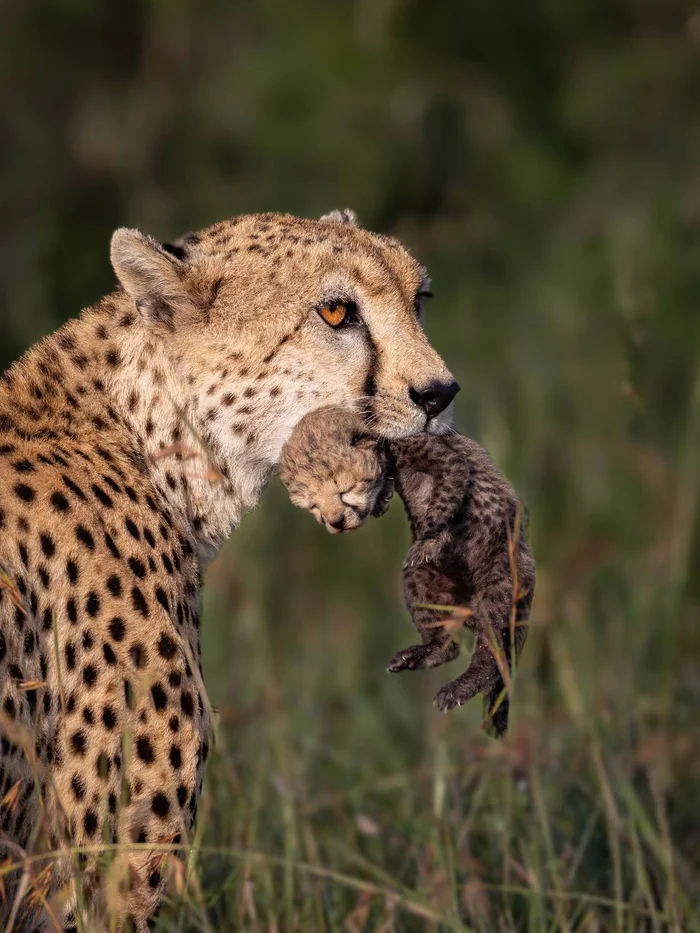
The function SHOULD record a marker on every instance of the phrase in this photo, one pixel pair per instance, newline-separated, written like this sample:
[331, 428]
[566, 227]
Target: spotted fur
[131, 441]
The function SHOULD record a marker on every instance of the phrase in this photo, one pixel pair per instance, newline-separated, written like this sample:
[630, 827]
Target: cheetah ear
[151, 275]
[180, 248]
[346, 216]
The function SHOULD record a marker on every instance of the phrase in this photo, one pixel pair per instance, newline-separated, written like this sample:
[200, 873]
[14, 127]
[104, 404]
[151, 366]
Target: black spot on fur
[102, 496]
[74, 488]
[132, 529]
[25, 492]
[117, 629]
[144, 750]
[78, 786]
[109, 541]
[138, 602]
[84, 536]
[187, 704]
[78, 742]
[162, 598]
[137, 567]
[166, 646]
[160, 699]
[59, 502]
[92, 605]
[90, 823]
[160, 805]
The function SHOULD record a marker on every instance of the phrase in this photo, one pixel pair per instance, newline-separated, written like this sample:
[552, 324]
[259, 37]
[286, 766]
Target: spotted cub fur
[470, 550]
[131, 442]
[464, 516]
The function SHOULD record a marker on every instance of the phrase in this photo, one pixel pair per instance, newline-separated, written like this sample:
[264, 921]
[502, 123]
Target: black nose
[339, 523]
[435, 397]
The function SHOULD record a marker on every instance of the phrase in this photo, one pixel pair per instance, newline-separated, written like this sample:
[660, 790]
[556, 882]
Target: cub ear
[345, 216]
[150, 275]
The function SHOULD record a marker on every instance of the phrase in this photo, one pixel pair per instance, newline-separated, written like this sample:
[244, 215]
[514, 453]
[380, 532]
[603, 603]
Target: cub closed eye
[339, 313]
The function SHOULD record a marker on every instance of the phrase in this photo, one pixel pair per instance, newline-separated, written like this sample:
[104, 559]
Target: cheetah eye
[421, 297]
[339, 314]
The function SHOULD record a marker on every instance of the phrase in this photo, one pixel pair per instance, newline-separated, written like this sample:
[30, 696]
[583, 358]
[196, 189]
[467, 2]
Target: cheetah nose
[338, 524]
[435, 397]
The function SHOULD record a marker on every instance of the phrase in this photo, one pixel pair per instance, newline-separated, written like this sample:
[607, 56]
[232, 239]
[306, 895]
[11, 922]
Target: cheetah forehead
[289, 244]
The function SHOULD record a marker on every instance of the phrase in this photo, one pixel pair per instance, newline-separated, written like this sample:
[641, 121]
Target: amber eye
[338, 313]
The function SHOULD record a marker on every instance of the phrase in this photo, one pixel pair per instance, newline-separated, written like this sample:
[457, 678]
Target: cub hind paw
[457, 692]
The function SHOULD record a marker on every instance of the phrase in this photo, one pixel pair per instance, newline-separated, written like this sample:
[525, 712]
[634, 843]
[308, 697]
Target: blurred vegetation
[543, 159]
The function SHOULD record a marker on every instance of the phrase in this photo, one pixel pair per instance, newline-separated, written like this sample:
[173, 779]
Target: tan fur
[131, 441]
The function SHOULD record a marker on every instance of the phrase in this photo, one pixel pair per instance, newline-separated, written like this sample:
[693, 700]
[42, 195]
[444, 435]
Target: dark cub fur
[468, 539]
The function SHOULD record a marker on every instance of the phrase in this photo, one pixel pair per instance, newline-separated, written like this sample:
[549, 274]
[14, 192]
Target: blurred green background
[543, 159]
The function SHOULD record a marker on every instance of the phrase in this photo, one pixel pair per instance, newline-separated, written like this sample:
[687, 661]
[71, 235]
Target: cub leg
[425, 584]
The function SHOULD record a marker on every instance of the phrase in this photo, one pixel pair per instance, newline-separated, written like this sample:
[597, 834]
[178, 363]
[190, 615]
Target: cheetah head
[267, 317]
[333, 468]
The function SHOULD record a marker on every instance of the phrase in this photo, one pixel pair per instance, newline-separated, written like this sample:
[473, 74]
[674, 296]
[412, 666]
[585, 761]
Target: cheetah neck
[203, 485]
[104, 380]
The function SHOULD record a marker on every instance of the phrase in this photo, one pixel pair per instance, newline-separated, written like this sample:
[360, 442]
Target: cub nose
[338, 524]
[435, 397]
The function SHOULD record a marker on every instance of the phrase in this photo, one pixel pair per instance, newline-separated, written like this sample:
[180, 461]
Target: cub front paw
[419, 657]
[385, 491]
[422, 552]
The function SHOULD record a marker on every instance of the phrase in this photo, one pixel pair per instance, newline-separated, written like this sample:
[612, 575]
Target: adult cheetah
[131, 441]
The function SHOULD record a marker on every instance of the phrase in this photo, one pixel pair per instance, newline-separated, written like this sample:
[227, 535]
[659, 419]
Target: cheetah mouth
[396, 430]
[390, 418]
[440, 424]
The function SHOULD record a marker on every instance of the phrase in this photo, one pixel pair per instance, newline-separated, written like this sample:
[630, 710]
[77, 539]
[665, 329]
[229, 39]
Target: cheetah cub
[467, 531]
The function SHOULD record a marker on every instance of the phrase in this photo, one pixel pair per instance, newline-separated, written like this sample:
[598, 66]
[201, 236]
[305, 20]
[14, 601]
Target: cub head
[334, 469]
[265, 318]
